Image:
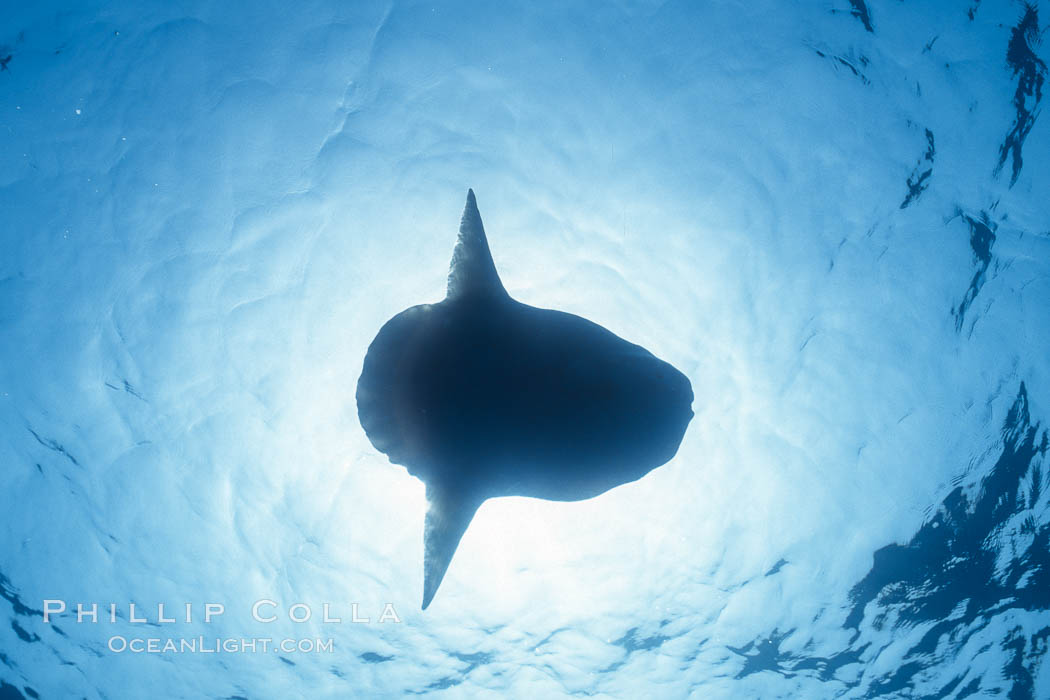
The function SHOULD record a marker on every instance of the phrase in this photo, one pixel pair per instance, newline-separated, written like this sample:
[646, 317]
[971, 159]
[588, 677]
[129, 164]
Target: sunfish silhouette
[482, 396]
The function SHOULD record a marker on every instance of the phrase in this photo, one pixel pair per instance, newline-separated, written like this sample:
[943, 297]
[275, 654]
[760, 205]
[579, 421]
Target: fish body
[482, 396]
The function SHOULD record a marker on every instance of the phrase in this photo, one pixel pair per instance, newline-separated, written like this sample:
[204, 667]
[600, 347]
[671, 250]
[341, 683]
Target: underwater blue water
[831, 216]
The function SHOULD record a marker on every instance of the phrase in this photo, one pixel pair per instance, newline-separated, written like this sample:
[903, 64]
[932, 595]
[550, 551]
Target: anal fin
[449, 512]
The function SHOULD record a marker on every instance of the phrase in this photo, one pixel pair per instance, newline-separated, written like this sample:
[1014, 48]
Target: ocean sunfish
[482, 396]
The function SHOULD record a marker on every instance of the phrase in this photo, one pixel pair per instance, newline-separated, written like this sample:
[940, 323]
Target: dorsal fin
[472, 272]
[449, 512]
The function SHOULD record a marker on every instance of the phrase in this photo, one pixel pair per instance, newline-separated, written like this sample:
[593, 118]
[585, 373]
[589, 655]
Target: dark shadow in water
[982, 238]
[952, 572]
[860, 10]
[8, 593]
[10, 692]
[370, 657]
[776, 567]
[631, 643]
[21, 633]
[840, 60]
[919, 179]
[1030, 71]
[982, 554]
